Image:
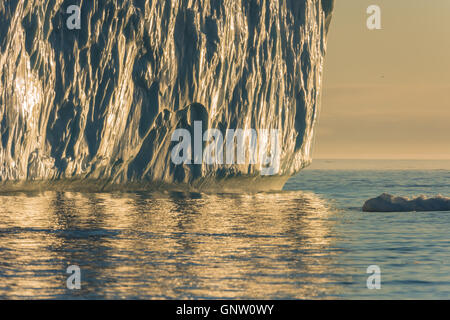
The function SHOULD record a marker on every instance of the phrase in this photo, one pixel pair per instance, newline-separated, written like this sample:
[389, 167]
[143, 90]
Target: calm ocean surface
[309, 241]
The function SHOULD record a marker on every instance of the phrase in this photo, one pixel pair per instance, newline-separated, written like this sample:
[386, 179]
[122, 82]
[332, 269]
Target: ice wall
[95, 107]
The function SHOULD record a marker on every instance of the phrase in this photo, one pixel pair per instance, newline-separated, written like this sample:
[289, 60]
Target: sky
[386, 93]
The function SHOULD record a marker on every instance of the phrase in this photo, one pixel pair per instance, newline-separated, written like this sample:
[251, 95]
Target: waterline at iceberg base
[95, 108]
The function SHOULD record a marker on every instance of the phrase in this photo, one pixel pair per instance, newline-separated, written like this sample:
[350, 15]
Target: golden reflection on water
[148, 245]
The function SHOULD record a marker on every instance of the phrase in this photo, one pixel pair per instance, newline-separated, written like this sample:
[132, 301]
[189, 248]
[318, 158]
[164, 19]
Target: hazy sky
[386, 92]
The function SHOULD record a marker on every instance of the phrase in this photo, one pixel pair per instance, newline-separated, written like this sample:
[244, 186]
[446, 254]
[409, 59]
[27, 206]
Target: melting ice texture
[97, 106]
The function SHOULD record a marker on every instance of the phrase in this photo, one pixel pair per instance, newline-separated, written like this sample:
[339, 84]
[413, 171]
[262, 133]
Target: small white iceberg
[390, 203]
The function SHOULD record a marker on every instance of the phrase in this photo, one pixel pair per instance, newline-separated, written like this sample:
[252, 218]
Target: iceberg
[95, 107]
[390, 203]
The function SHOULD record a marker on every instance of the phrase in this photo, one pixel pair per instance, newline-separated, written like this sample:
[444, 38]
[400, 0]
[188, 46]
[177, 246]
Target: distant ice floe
[390, 203]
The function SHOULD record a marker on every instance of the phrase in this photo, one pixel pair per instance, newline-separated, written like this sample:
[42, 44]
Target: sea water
[310, 241]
